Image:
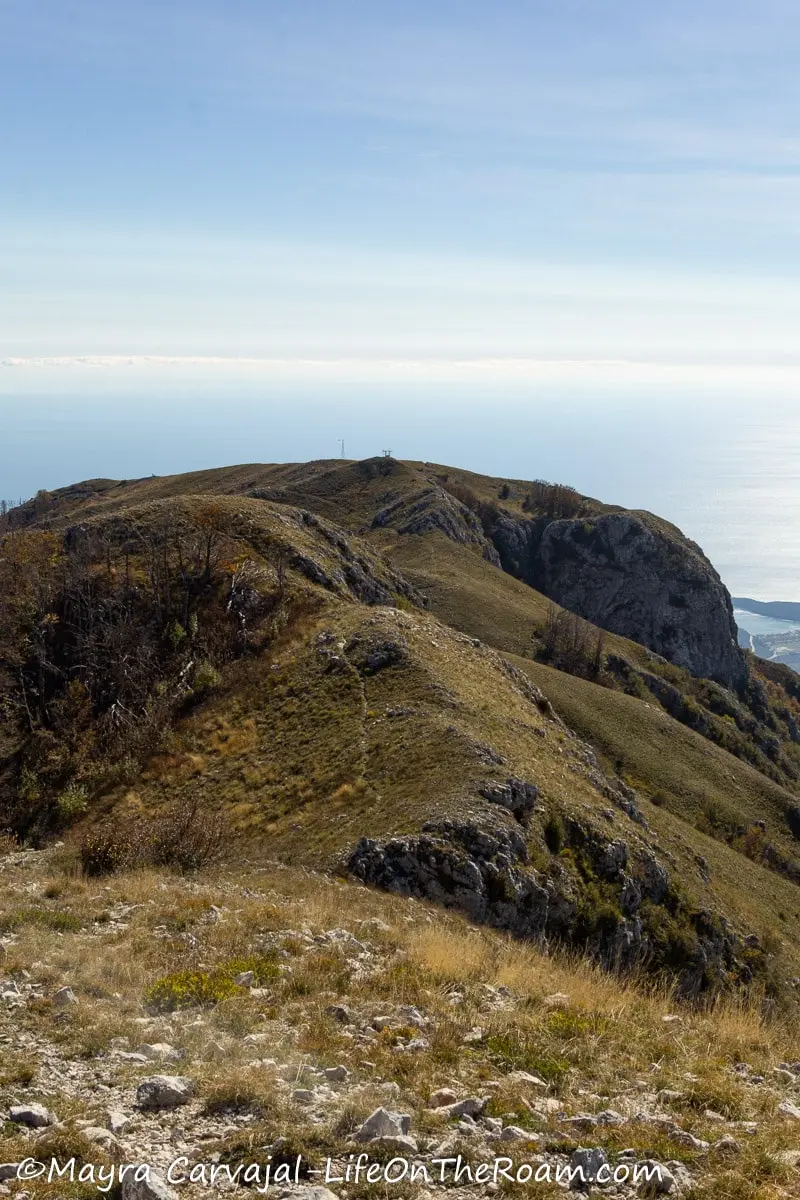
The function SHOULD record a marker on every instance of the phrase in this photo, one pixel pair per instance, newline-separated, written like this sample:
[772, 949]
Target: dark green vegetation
[316, 653]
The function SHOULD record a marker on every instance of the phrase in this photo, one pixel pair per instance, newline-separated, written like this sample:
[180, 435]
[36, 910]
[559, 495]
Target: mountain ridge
[527, 531]
[782, 610]
[331, 652]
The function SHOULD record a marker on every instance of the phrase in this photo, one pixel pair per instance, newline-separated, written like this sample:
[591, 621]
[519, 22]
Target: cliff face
[629, 572]
[633, 575]
[433, 510]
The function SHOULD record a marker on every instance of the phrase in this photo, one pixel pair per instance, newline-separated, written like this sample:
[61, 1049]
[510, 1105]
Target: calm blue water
[758, 624]
[725, 469]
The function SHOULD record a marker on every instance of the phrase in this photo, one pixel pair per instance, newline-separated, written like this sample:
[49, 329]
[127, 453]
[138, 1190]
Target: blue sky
[551, 237]
[575, 178]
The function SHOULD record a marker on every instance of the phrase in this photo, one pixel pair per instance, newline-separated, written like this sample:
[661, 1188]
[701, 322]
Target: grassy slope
[281, 744]
[658, 753]
[660, 756]
[379, 754]
[655, 753]
[306, 763]
[469, 593]
[346, 491]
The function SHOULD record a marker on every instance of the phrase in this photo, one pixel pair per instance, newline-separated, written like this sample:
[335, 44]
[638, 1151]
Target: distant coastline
[771, 629]
[779, 610]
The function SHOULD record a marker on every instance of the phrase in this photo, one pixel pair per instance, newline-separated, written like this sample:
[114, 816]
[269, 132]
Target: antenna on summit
[341, 445]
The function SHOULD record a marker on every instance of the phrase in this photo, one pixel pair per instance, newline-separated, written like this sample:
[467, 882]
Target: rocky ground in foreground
[147, 1017]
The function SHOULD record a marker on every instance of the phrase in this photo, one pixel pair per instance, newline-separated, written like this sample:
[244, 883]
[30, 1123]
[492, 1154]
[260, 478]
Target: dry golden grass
[606, 1045]
[304, 760]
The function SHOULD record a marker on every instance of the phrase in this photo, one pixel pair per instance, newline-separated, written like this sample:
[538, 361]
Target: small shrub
[553, 499]
[8, 842]
[28, 786]
[206, 679]
[195, 988]
[71, 804]
[672, 937]
[637, 687]
[570, 644]
[566, 1024]
[190, 989]
[717, 820]
[175, 634]
[184, 836]
[752, 843]
[598, 912]
[105, 850]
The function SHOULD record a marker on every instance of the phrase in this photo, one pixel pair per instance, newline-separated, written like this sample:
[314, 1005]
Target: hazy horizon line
[634, 369]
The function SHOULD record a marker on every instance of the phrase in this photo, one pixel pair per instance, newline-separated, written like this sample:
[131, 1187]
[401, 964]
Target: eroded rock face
[515, 795]
[486, 874]
[463, 867]
[633, 575]
[629, 572]
[433, 510]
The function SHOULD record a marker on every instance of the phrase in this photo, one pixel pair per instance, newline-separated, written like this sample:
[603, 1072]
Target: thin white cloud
[588, 372]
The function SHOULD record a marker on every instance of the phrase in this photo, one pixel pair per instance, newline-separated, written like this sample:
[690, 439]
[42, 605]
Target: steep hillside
[648, 582]
[330, 658]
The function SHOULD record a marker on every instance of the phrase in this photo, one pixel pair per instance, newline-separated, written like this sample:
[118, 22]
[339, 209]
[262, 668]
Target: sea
[758, 624]
[721, 462]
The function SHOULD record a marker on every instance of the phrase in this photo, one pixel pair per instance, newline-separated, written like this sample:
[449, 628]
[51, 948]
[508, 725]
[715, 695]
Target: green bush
[598, 911]
[673, 938]
[206, 679]
[175, 634]
[71, 804]
[195, 988]
[28, 786]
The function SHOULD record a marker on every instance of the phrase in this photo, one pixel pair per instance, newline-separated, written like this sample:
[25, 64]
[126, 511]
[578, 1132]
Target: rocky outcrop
[630, 573]
[515, 795]
[636, 576]
[433, 510]
[616, 904]
[369, 579]
[481, 873]
[372, 654]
